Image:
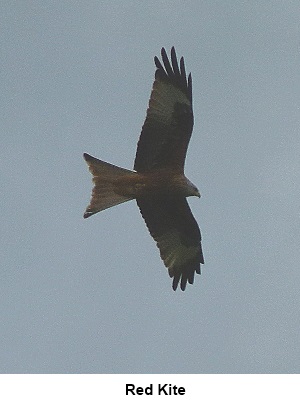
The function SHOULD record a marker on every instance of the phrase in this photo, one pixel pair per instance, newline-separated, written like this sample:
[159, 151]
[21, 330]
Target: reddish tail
[104, 192]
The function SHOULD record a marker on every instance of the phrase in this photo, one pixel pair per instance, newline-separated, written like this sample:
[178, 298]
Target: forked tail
[104, 193]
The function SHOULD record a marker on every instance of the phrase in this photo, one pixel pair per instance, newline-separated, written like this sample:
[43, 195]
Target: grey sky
[81, 296]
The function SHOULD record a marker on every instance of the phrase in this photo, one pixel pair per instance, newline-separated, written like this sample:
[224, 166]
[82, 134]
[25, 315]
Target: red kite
[158, 182]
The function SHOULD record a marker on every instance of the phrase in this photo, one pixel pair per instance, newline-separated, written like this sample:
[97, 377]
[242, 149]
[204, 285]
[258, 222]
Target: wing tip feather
[183, 278]
[172, 71]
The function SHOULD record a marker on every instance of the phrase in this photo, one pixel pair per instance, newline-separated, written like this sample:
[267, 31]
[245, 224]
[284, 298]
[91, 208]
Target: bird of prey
[158, 183]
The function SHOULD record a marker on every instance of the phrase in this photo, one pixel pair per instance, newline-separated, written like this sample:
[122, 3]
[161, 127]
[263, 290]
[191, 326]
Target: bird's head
[192, 189]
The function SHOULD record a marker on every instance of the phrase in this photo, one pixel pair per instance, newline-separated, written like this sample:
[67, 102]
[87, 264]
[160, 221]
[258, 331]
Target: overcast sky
[93, 296]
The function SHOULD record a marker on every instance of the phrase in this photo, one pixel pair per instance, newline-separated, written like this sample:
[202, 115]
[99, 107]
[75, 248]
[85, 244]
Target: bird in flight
[158, 183]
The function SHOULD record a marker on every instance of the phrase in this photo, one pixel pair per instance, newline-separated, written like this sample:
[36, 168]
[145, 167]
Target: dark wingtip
[184, 278]
[182, 284]
[175, 282]
[157, 62]
[174, 70]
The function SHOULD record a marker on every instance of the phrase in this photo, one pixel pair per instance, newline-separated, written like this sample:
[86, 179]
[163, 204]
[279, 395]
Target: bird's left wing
[176, 232]
[169, 122]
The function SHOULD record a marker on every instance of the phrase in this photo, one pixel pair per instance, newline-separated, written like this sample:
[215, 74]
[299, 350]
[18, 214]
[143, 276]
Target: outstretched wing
[176, 232]
[169, 122]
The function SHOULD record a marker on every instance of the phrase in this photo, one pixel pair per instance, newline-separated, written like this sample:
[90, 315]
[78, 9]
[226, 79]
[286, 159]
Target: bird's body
[158, 182]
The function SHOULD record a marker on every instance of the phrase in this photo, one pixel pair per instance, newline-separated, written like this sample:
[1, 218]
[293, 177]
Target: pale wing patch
[174, 252]
[162, 101]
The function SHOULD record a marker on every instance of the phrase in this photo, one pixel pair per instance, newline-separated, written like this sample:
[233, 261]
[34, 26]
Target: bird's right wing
[176, 232]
